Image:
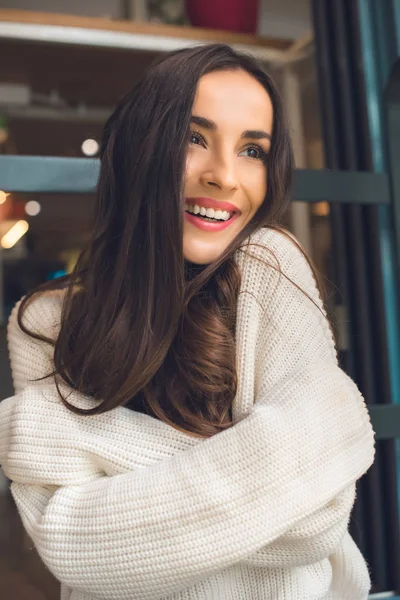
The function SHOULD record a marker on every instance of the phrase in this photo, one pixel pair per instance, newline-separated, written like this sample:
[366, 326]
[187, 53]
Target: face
[226, 170]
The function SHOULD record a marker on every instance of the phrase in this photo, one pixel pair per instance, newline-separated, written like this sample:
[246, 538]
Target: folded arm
[158, 530]
[312, 539]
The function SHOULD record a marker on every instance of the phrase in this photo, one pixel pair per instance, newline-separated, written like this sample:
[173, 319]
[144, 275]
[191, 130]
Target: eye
[257, 152]
[196, 138]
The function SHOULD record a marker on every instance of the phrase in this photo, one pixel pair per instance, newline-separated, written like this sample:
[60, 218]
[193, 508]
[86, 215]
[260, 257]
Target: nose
[220, 172]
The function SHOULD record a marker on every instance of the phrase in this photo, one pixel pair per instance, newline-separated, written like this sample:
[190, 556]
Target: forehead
[227, 96]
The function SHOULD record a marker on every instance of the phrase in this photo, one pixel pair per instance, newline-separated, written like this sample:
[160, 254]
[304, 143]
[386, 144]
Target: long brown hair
[140, 326]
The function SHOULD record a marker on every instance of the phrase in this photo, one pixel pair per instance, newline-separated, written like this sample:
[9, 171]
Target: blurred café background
[63, 66]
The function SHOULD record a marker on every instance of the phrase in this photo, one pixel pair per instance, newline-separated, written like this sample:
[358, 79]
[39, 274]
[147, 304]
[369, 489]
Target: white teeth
[222, 215]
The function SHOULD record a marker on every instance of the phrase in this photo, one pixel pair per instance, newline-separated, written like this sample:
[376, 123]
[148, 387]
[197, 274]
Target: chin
[198, 260]
[201, 258]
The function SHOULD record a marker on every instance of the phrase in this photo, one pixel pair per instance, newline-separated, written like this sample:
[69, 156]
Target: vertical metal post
[2, 316]
[374, 40]
[300, 211]
[134, 10]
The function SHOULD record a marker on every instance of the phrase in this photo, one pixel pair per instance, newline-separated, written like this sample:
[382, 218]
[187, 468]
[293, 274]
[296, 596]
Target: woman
[197, 438]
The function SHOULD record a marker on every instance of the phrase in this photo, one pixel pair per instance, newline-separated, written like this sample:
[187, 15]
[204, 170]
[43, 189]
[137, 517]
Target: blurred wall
[287, 19]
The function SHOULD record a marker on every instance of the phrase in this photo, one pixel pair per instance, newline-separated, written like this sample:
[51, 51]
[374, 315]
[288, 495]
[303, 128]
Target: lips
[209, 226]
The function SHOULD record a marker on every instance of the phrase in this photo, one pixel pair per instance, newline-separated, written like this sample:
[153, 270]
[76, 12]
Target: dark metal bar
[79, 175]
[385, 420]
[392, 102]
[330, 123]
[348, 122]
[342, 187]
[48, 174]
[392, 113]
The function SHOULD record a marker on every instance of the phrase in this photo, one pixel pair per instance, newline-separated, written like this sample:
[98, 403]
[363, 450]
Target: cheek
[193, 162]
[191, 171]
[256, 185]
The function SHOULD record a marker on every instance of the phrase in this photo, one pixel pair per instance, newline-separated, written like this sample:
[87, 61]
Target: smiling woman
[192, 305]
[227, 160]
[202, 131]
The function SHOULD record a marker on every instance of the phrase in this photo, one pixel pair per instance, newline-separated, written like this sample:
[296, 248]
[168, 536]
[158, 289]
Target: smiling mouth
[211, 224]
[209, 214]
[209, 219]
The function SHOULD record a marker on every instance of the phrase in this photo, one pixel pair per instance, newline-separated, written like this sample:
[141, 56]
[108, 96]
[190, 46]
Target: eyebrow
[256, 134]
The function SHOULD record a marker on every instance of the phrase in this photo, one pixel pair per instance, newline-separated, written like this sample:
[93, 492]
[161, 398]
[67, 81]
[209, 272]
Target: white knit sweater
[122, 506]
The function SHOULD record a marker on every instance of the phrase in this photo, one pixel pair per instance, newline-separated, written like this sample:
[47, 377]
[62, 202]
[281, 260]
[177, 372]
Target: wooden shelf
[143, 36]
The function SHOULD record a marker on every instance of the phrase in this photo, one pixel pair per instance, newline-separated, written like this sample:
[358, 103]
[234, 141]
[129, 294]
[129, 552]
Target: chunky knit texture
[122, 506]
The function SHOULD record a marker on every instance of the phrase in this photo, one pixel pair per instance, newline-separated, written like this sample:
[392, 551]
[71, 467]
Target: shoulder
[41, 314]
[279, 246]
[31, 358]
[274, 259]
[281, 296]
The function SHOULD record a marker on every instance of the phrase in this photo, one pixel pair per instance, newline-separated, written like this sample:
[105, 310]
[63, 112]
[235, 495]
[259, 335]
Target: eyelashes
[263, 155]
[196, 134]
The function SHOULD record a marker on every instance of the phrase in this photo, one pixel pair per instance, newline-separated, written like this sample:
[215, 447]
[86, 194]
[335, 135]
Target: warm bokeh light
[14, 234]
[90, 147]
[32, 208]
[321, 209]
[3, 196]
[70, 257]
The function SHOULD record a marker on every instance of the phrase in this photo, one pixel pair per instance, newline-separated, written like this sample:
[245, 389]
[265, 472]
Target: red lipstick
[209, 225]
[201, 223]
[211, 203]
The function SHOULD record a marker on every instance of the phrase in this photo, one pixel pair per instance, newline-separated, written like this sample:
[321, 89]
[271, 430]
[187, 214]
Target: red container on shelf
[240, 16]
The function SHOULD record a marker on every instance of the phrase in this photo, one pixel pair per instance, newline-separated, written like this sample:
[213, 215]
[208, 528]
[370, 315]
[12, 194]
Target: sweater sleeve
[30, 358]
[312, 539]
[154, 531]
